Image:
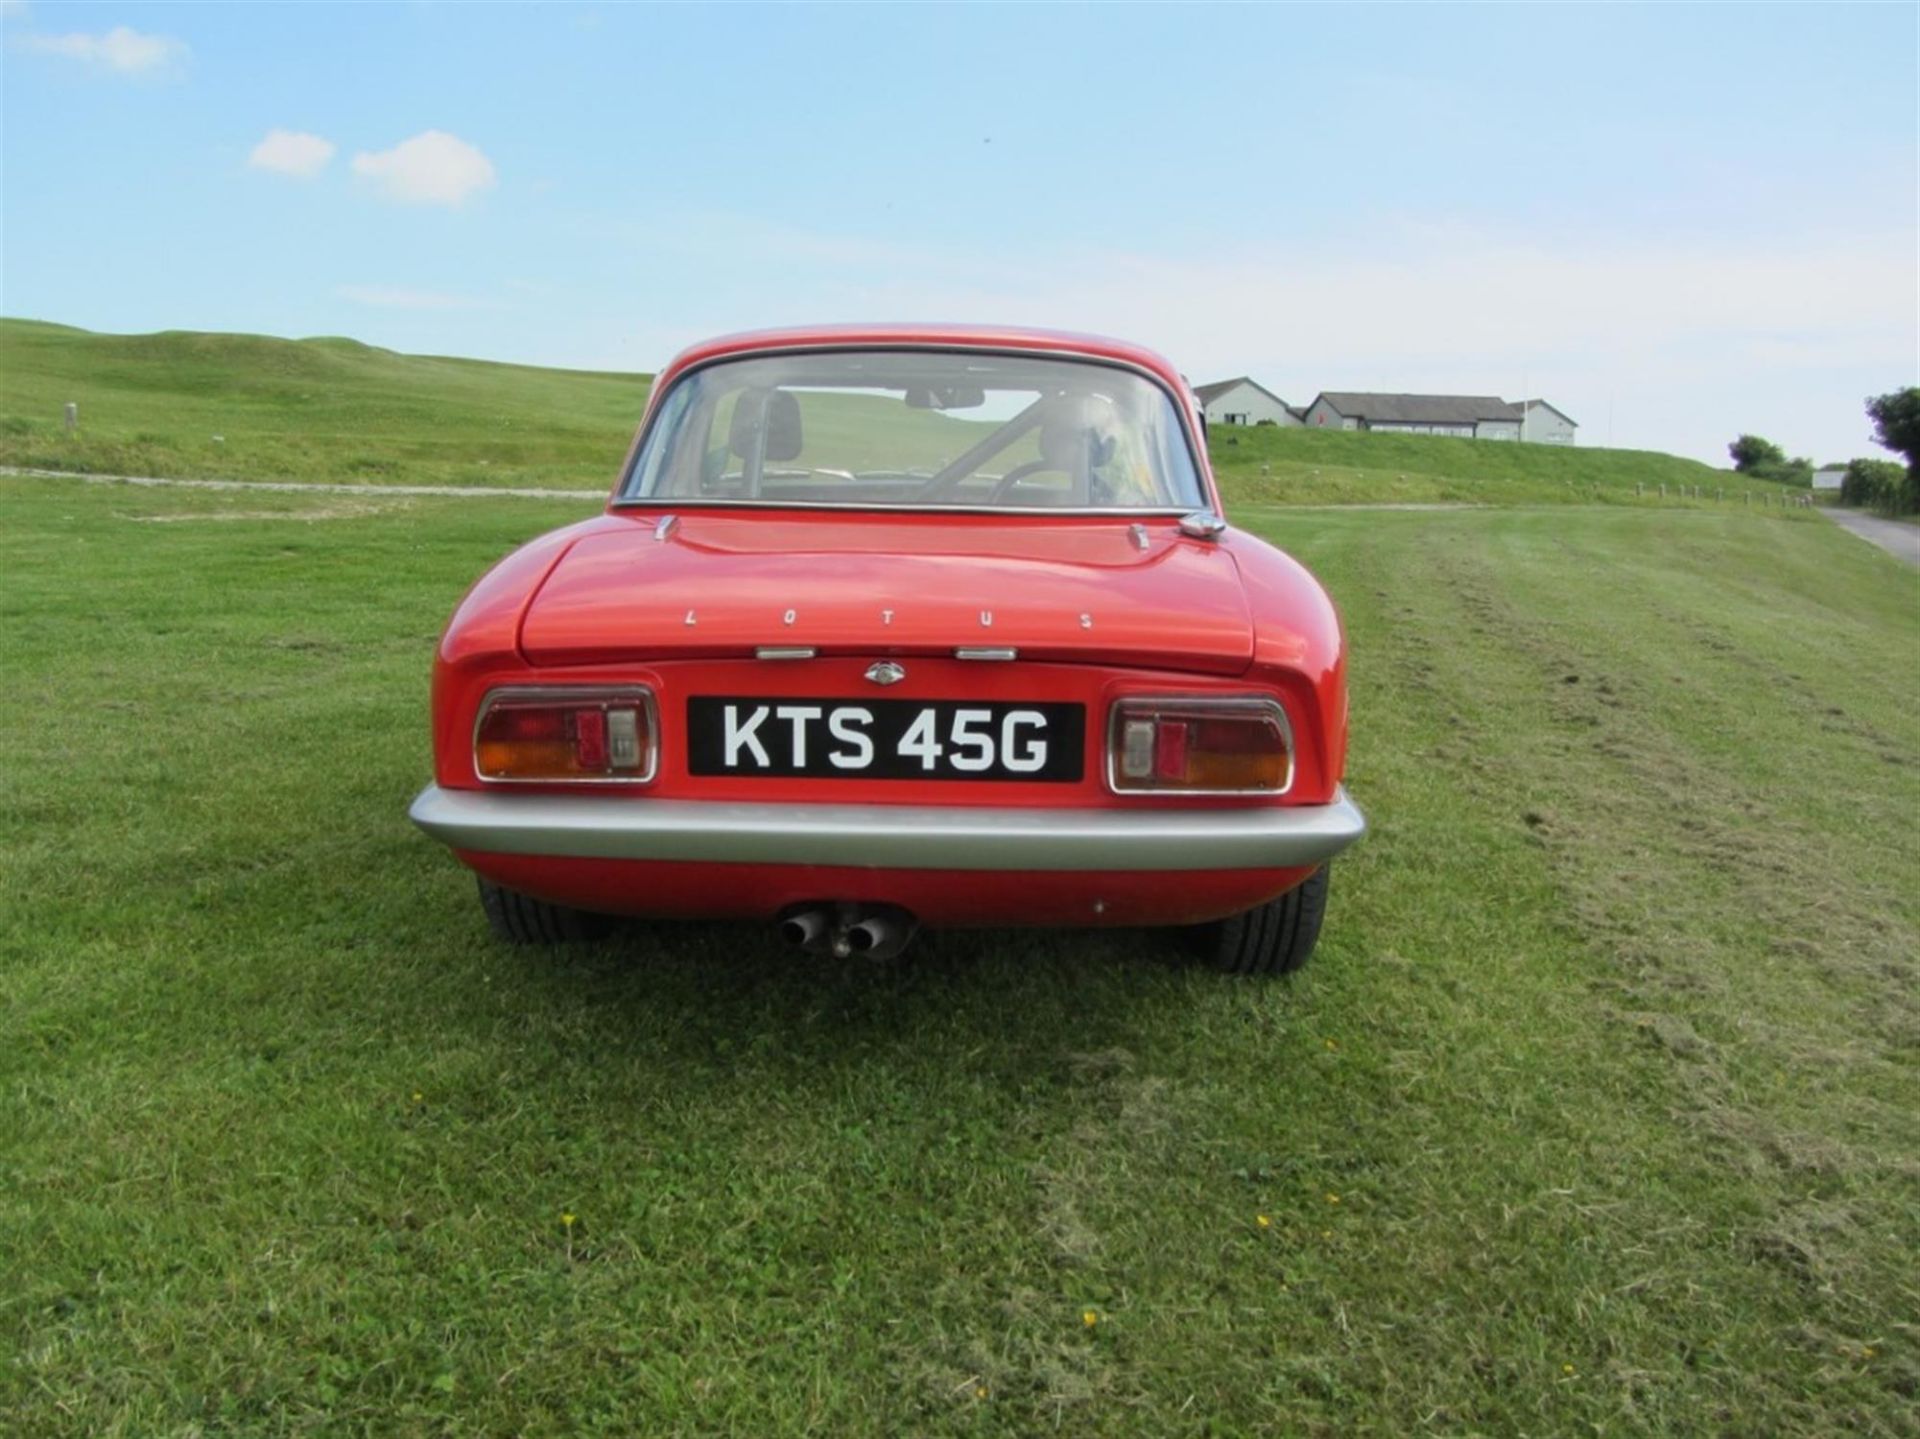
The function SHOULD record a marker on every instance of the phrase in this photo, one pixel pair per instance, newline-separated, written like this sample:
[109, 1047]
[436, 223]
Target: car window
[917, 428]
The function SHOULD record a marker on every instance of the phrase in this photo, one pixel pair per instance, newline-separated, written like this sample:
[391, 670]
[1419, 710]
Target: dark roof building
[1484, 417]
[1420, 409]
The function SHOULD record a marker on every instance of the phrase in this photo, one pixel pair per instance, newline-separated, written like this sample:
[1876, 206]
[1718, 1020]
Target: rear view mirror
[945, 397]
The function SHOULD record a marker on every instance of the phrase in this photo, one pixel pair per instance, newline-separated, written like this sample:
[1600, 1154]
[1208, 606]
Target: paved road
[1897, 539]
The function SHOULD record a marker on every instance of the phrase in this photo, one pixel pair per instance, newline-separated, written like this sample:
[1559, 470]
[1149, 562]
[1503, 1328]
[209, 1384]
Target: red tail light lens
[1200, 746]
[532, 735]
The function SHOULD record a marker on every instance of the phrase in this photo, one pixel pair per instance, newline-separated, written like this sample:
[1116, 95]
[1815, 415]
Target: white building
[1467, 417]
[1242, 402]
[1828, 477]
[1545, 425]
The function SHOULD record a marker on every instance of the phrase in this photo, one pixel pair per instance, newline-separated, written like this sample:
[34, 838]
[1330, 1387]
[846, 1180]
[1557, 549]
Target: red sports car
[890, 626]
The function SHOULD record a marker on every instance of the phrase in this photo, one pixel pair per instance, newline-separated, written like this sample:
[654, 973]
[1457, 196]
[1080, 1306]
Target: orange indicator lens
[1201, 746]
[560, 735]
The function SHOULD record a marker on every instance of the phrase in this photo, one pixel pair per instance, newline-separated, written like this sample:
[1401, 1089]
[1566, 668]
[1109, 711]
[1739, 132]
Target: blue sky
[1674, 222]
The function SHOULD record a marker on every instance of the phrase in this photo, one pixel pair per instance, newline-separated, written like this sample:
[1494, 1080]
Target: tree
[1750, 452]
[1872, 484]
[1896, 426]
[1764, 460]
[1796, 471]
[1896, 422]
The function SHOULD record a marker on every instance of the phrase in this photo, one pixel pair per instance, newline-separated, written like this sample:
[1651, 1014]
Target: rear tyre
[519, 919]
[1276, 938]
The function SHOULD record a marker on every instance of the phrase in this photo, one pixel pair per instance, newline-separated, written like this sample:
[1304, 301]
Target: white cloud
[1673, 343]
[432, 168]
[394, 297]
[122, 49]
[292, 152]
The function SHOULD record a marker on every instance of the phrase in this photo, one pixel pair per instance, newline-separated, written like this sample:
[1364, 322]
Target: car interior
[845, 435]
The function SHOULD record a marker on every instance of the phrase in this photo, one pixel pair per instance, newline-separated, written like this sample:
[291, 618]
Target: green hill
[322, 409]
[182, 403]
[1266, 464]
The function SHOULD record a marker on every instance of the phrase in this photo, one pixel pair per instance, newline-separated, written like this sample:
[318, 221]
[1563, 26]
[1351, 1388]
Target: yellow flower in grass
[1089, 1318]
[568, 1220]
[1333, 1199]
[1263, 1221]
[1566, 1369]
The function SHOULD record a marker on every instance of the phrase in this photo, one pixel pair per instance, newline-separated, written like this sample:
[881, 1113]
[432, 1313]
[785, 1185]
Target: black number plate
[886, 739]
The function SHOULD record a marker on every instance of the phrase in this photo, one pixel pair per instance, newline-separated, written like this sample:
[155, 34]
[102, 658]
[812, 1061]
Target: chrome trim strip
[784, 652]
[886, 836]
[664, 528]
[974, 652]
[1070, 512]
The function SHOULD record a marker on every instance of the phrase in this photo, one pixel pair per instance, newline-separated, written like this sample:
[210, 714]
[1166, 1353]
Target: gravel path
[1899, 540]
[326, 487]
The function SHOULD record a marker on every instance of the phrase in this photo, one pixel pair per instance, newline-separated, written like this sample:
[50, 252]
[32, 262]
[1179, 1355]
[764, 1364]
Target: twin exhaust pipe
[875, 931]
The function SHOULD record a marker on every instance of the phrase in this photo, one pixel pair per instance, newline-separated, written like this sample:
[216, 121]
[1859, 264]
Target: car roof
[940, 335]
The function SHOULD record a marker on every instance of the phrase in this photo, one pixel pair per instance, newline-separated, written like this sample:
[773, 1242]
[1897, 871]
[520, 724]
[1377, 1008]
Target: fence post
[72, 417]
[1663, 489]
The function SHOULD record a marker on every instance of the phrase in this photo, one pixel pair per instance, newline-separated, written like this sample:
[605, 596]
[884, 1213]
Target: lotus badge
[886, 672]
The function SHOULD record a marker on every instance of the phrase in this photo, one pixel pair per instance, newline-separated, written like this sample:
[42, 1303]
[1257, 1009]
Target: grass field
[325, 409]
[341, 411]
[1597, 1111]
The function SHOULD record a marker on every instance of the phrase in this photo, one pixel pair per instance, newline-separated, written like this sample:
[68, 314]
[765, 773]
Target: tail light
[540, 735]
[1200, 746]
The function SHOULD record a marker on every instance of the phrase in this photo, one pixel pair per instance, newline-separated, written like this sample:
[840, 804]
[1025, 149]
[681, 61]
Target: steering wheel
[1015, 475]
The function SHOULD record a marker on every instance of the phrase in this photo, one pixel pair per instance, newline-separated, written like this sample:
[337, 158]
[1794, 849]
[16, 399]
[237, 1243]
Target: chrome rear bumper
[884, 836]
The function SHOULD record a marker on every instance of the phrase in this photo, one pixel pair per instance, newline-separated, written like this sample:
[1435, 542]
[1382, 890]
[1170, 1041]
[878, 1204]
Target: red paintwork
[945, 899]
[604, 601]
[879, 583]
[458, 692]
